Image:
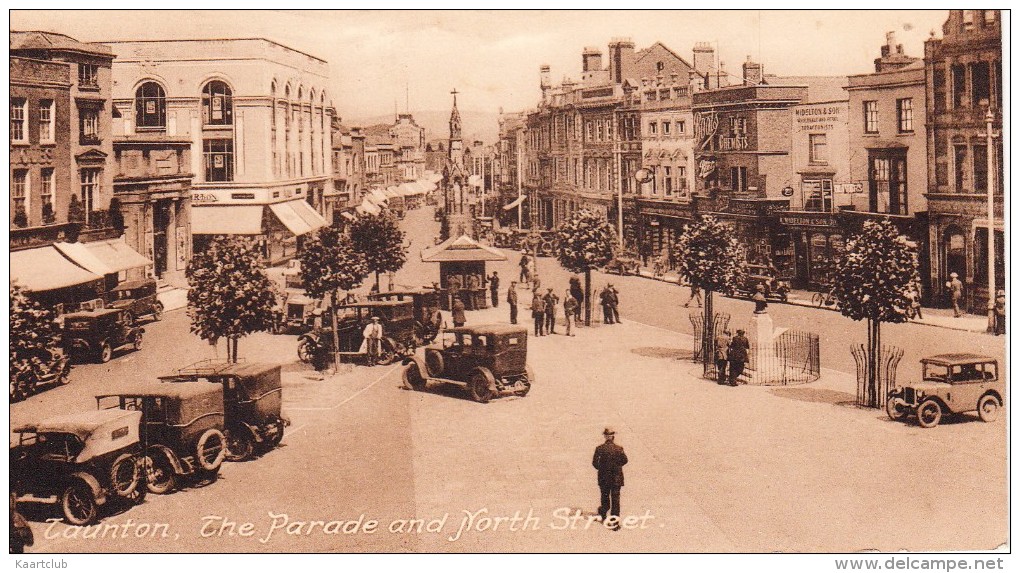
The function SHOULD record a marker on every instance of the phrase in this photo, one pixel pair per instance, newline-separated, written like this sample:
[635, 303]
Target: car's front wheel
[304, 350]
[894, 407]
[79, 504]
[988, 408]
[157, 311]
[413, 378]
[105, 353]
[929, 414]
[240, 445]
[125, 475]
[481, 386]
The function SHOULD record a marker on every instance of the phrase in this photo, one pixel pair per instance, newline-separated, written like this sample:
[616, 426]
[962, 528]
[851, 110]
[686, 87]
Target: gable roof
[641, 54]
[462, 248]
[36, 40]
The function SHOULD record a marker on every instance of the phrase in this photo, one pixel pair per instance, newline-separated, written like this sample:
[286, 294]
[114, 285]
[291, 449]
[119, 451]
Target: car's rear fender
[995, 393]
[169, 454]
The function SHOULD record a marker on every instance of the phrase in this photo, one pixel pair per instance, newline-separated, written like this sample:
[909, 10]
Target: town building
[257, 116]
[409, 140]
[963, 71]
[507, 166]
[348, 172]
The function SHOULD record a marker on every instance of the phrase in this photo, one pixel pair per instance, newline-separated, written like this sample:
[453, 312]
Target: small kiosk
[462, 270]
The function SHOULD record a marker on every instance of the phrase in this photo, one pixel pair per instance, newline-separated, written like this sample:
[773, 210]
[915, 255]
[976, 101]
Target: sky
[407, 59]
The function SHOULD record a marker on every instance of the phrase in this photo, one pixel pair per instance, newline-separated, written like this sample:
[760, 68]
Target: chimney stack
[591, 59]
[544, 80]
[752, 72]
[621, 58]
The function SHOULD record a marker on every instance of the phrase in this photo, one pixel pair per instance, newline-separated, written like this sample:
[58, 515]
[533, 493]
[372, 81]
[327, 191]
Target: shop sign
[204, 198]
[804, 220]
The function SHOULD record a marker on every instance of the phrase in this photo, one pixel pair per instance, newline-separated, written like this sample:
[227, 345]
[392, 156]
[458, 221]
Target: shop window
[818, 148]
[150, 106]
[981, 258]
[219, 159]
[817, 195]
[217, 104]
[871, 117]
[88, 76]
[905, 115]
[46, 134]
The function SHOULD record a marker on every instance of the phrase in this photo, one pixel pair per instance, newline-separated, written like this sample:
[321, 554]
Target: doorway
[160, 247]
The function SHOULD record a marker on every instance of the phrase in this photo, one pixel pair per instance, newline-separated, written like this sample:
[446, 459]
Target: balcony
[89, 139]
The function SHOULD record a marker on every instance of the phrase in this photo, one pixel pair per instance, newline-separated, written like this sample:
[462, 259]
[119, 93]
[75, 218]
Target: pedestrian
[569, 311]
[458, 313]
[538, 312]
[20, 531]
[436, 320]
[609, 460]
[955, 292]
[737, 355]
[722, 347]
[373, 335]
[536, 283]
[473, 285]
[494, 288]
[915, 302]
[1000, 312]
[511, 299]
[578, 293]
[695, 295]
[551, 302]
[607, 311]
[453, 284]
[614, 303]
[525, 275]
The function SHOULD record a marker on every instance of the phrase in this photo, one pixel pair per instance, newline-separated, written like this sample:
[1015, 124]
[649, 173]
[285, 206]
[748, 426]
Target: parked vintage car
[424, 303]
[252, 400]
[624, 265]
[80, 462]
[489, 360]
[754, 275]
[295, 313]
[182, 430]
[54, 366]
[98, 333]
[397, 318]
[950, 384]
[137, 298]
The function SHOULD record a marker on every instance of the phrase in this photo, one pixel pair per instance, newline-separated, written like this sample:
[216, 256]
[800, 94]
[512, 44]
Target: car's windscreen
[936, 372]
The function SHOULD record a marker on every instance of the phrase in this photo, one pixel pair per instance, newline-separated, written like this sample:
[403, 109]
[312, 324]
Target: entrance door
[160, 224]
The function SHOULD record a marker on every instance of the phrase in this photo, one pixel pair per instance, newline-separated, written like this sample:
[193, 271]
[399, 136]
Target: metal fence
[720, 323]
[873, 395]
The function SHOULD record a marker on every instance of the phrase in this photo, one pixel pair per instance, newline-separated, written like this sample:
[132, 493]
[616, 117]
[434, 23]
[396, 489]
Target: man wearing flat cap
[609, 461]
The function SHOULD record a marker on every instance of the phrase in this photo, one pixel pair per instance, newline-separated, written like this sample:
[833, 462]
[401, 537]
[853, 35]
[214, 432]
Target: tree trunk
[233, 343]
[708, 330]
[336, 339]
[874, 358]
[587, 297]
[377, 289]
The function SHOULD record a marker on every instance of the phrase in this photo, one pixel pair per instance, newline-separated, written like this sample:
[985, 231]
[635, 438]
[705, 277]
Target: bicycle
[823, 299]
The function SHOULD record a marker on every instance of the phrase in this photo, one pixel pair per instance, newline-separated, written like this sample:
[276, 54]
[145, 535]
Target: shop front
[817, 240]
[660, 225]
[277, 228]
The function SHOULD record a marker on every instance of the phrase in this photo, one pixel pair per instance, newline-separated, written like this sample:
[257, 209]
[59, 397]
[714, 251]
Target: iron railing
[873, 394]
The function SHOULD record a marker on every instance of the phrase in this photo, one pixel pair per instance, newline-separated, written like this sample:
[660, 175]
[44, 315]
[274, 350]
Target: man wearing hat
[373, 335]
[737, 355]
[511, 299]
[551, 302]
[955, 292]
[609, 460]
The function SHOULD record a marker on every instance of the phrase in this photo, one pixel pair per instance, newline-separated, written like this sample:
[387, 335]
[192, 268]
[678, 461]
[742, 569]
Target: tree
[75, 210]
[32, 334]
[230, 295]
[116, 215]
[710, 258]
[379, 239]
[330, 264]
[584, 242]
[20, 217]
[875, 280]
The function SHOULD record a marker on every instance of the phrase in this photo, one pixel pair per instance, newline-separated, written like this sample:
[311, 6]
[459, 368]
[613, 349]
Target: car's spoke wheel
[78, 504]
[388, 350]
[434, 362]
[210, 449]
[413, 378]
[929, 414]
[988, 408]
[137, 342]
[304, 350]
[481, 390]
[157, 311]
[105, 353]
[240, 445]
[125, 475]
[275, 436]
[160, 476]
[894, 407]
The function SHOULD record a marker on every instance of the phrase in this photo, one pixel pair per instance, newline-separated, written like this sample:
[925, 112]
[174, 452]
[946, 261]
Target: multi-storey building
[348, 171]
[508, 165]
[409, 140]
[963, 71]
[257, 116]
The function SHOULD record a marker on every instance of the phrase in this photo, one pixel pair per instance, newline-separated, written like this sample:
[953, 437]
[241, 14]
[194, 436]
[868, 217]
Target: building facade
[258, 118]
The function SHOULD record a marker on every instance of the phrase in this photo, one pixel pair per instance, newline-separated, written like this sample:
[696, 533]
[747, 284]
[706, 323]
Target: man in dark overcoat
[737, 355]
[609, 460]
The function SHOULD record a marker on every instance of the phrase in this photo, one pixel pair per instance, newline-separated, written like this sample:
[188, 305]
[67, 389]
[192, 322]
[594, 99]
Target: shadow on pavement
[661, 352]
[833, 397]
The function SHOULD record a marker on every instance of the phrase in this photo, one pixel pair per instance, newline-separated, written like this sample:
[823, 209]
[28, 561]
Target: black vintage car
[52, 367]
[137, 298]
[425, 302]
[79, 462]
[252, 398]
[489, 360]
[182, 430]
[396, 317]
[754, 275]
[96, 334]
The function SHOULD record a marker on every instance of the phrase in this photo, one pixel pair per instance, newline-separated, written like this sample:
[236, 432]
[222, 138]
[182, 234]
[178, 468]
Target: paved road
[712, 468]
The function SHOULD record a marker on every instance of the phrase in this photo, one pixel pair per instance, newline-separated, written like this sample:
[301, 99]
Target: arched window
[150, 106]
[217, 107]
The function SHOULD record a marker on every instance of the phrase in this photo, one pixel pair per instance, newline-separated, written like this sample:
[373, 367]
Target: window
[959, 84]
[88, 125]
[217, 107]
[989, 17]
[980, 84]
[960, 164]
[887, 179]
[871, 117]
[18, 132]
[905, 115]
[653, 128]
[968, 20]
[46, 191]
[738, 178]
[681, 127]
[219, 159]
[88, 76]
[818, 148]
[89, 189]
[46, 121]
[667, 180]
[817, 195]
[665, 127]
[681, 178]
[980, 168]
[601, 128]
[650, 95]
[664, 94]
[150, 106]
[19, 192]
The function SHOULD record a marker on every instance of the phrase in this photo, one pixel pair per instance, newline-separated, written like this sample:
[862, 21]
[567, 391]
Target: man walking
[459, 319]
[722, 348]
[570, 311]
[538, 313]
[614, 303]
[955, 292]
[551, 302]
[373, 335]
[695, 296]
[578, 293]
[511, 299]
[737, 355]
[494, 288]
[524, 267]
[609, 460]
[607, 311]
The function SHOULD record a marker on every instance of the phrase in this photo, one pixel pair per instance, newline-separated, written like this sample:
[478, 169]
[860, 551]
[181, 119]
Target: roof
[37, 40]
[462, 248]
[133, 284]
[425, 290]
[489, 329]
[957, 358]
[80, 423]
[820, 88]
[96, 312]
[376, 304]
[180, 390]
[215, 368]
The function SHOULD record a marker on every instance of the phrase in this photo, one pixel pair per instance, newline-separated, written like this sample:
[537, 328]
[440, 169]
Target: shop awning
[348, 216]
[103, 257]
[369, 207]
[378, 196]
[513, 204]
[297, 216]
[45, 269]
[226, 219]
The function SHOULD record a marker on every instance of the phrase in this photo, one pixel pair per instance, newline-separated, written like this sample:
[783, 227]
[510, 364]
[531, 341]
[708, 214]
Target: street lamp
[989, 134]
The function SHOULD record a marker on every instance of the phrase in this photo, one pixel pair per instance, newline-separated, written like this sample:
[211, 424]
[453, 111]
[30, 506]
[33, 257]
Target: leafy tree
[20, 217]
[379, 239]
[875, 280]
[711, 259]
[48, 215]
[230, 295]
[330, 264]
[584, 242]
[75, 210]
[116, 215]
[32, 334]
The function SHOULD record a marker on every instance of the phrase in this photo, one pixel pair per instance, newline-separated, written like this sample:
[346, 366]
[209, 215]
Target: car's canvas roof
[224, 369]
[180, 390]
[957, 358]
[96, 312]
[489, 329]
[82, 423]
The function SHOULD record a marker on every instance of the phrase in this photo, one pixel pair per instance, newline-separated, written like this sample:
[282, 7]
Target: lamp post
[990, 146]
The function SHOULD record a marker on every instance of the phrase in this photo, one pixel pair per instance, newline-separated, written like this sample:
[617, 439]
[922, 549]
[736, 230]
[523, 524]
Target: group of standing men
[543, 311]
[732, 352]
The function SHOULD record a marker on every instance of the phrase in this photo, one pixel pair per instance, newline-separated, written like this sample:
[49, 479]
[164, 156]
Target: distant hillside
[477, 125]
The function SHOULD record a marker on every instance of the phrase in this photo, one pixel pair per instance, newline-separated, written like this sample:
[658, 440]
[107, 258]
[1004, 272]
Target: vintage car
[950, 384]
[624, 265]
[137, 298]
[252, 399]
[182, 430]
[80, 462]
[396, 317]
[295, 313]
[489, 360]
[98, 333]
[53, 366]
[754, 275]
[424, 302]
